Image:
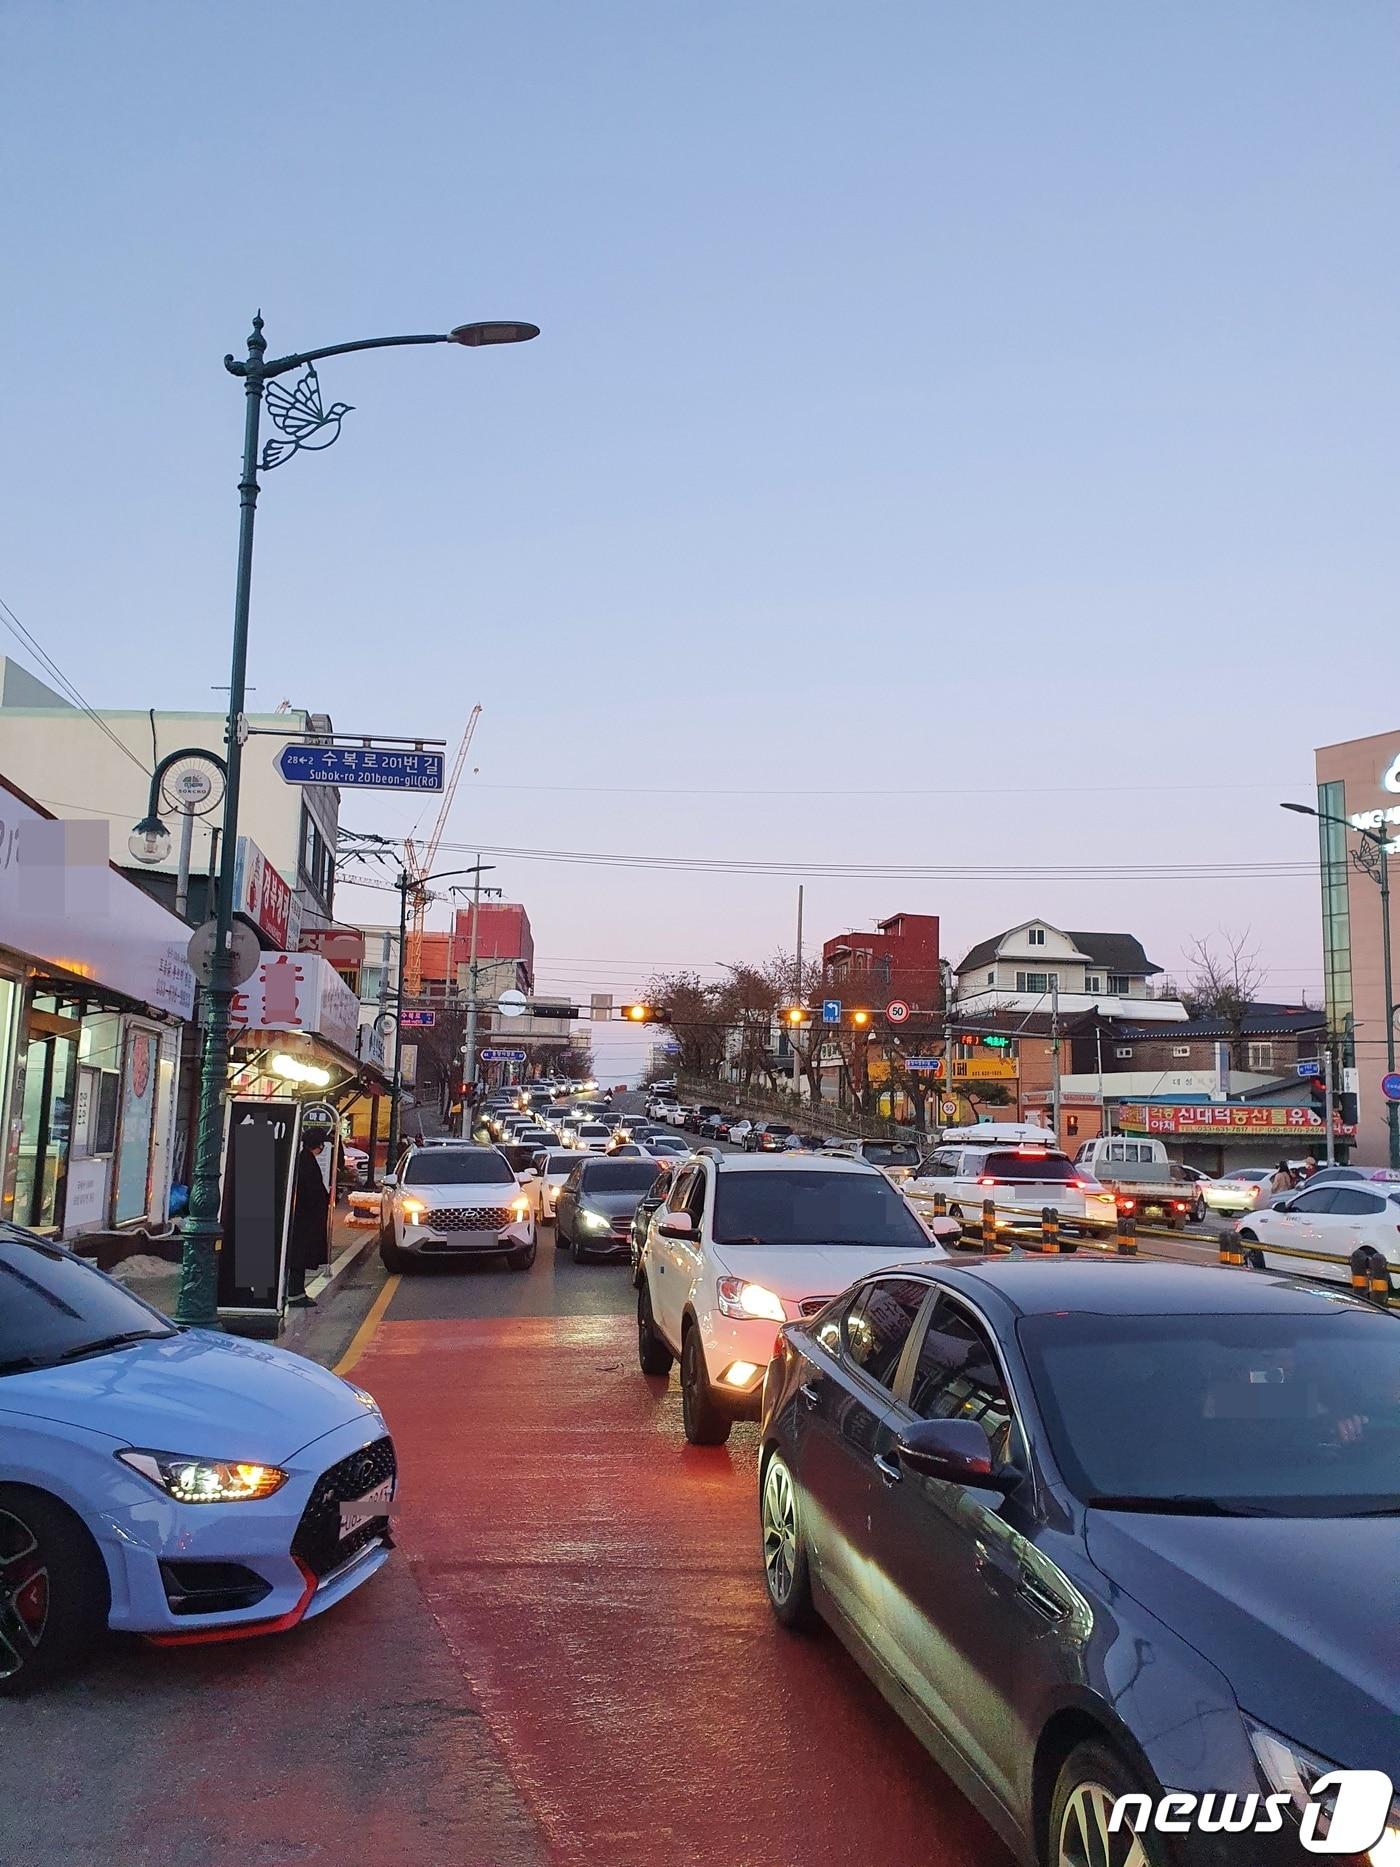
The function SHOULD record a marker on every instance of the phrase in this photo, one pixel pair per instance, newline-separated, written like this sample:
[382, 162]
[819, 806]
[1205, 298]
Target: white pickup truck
[1142, 1179]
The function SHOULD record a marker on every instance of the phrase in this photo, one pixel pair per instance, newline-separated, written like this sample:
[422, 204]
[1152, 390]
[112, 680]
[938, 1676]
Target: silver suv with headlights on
[459, 1201]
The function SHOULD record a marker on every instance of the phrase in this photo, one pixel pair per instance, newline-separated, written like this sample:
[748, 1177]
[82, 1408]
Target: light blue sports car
[175, 1483]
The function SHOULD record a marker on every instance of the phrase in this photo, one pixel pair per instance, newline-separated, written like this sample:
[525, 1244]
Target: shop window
[46, 1114]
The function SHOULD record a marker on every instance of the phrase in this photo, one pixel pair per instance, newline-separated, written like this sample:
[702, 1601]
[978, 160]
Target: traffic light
[860, 1018]
[792, 1014]
[646, 1014]
[997, 1043]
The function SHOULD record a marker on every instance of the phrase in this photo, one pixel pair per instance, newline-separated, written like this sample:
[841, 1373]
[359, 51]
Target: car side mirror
[957, 1451]
[677, 1225]
[1284, 1203]
[527, 1174]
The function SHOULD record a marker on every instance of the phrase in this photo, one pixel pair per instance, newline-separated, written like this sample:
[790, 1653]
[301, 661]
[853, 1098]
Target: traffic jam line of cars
[1115, 1537]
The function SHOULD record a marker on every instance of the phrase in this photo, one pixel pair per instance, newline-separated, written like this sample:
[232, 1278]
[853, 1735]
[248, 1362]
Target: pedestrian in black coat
[308, 1245]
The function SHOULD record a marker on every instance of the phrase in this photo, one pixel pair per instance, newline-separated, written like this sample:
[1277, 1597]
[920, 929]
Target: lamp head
[1301, 810]
[149, 841]
[494, 331]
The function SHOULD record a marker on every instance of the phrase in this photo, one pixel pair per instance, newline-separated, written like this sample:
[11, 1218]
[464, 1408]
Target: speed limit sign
[948, 1107]
[897, 1011]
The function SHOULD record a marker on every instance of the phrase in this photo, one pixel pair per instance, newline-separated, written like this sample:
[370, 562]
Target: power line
[51, 667]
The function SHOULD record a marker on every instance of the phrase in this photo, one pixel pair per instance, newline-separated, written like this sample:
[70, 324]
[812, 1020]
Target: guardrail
[1366, 1268]
[1030, 1231]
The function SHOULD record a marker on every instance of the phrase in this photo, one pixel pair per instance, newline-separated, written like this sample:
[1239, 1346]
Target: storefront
[94, 989]
[1217, 1136]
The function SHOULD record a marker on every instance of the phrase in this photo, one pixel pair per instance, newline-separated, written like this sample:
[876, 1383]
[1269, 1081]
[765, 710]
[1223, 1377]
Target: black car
[767, 1137]
[654, 1196]
[1103, 1529]
[593, 1213]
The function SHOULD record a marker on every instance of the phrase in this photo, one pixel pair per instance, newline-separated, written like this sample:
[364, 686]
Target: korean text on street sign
[371, 767]
[934, 1065]
[831, 1011]
[503, 1056]
[1308, 1069]
[1390, 1088]
[419, 1020]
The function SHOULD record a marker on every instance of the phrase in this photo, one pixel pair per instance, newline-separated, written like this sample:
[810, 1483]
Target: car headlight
[1365, 1809]
[595, 1221]
[415, 1211]
[737, 1297]
[521, 1207]
[205, 1481]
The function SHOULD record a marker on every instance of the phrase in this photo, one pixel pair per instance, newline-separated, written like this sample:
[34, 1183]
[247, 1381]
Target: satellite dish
[512, 1004]
[247, 952]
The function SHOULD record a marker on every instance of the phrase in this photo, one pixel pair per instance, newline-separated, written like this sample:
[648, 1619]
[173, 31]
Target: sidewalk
[158, 1280]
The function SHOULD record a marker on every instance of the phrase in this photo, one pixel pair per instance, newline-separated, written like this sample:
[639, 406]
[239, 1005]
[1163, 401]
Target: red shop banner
[1199, 1118]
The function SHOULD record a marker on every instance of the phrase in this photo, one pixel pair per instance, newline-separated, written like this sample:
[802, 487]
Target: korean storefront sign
[1195, 1119]
[259, 893]
[298, 992]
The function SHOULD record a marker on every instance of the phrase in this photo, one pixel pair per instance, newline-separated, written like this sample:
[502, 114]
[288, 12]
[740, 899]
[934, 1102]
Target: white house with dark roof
[1021, 969]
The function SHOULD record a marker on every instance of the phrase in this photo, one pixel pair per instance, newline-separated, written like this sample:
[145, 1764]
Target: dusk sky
[962, 437]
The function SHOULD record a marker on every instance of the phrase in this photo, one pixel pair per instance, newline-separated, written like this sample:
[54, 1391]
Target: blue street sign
[1390, 1088]
[831, 1011]
[418, 1020]
[933, 1064]
[1308, 1069]
[503, 1056]
[371, 767]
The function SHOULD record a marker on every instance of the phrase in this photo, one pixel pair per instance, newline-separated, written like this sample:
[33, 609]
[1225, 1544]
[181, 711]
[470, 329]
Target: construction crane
[417, 866]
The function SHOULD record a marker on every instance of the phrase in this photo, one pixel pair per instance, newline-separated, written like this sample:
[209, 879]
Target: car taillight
[1126, 1205]
[1178, 1205]
[1074, 1186]
[987, 1180]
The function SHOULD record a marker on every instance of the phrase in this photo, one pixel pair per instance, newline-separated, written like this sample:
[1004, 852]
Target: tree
[747, 1000]
[697, 1019]
[1223, 984]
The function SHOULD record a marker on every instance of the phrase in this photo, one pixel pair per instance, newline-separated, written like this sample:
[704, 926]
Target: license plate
[362, 1510]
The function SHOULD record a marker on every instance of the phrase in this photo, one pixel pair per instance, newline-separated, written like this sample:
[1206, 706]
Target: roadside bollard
[1231, 1250]
[1370, 1276]
[1126, 1242]
[1049, 1229]
[989, 1223]
[940, 1206]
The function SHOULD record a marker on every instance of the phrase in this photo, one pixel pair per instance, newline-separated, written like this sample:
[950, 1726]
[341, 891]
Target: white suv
[745, 1243]
[455, 1202]
[1021, 1169]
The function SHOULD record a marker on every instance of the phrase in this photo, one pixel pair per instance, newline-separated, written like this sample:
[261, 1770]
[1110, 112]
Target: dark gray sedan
[1104, 1530]
[593, 1212]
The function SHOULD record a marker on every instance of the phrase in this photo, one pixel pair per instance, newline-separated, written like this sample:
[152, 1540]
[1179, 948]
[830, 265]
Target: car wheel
[705, 1424]
[1198, 1212]
[522, 1258]
[1249, 1238]
[394, 1261]
[652, 1353]
[1091, 1781]
[785, 1573]
[53, 1589]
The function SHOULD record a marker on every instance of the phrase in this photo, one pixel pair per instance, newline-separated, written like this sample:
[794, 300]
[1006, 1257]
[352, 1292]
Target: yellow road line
[360, 1341]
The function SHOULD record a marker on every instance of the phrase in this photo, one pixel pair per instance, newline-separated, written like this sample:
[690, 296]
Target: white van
[1019, 1166]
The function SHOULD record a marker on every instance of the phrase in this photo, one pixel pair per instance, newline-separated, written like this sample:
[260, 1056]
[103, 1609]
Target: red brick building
[503, 935]
[898, 960]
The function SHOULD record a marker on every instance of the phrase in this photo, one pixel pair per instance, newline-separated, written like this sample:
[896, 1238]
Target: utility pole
[469, 1053]
[945, 974]
[1327, 1101]
[1055, 1054]
[797, 1000]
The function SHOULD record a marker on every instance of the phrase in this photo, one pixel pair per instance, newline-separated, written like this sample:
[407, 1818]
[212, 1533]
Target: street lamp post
[1378, 868]
[303, 424]
[149, 841]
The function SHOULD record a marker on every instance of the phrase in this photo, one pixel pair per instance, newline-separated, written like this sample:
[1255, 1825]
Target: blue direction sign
[1390, 1088]
[418, 1020]
[374, 768]
[831, 1011]
[934, 1065]
[503, 1056]
[1308, 1069]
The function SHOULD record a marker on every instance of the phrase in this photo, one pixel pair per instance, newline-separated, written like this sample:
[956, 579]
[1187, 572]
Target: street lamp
[1378, 868]
[303, 424]
[194, 795]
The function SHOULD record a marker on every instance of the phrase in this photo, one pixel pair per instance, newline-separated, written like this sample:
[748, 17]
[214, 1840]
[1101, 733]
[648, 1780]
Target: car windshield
[593, 1130]
[1029, 1165]
[1293, 1414]
[54, 1307]
[618, 1176]
[813, 1206]
[452, 1166]
[561, 1165]
[891, 1154]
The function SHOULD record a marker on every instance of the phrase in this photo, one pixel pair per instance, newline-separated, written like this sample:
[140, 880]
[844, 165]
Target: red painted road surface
[598, 1582]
